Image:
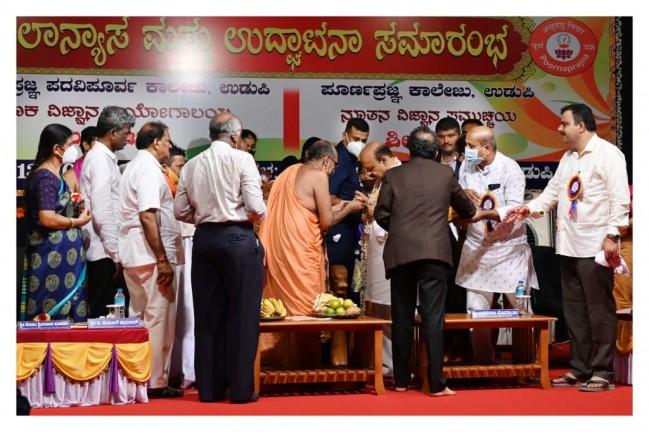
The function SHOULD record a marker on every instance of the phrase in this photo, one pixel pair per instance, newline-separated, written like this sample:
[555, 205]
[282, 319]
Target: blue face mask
[471, 156]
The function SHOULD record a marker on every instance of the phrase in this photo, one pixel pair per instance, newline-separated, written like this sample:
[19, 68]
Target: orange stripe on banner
[291, 119]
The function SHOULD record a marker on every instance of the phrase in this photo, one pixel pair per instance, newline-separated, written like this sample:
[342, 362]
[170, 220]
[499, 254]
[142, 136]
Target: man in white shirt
[220, 192]
[495, 255]
[99, 185]
[150, 246]
[591, 194]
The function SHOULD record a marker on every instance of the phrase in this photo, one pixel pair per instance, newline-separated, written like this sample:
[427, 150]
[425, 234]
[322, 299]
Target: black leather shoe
[164, 392]
[253, 398]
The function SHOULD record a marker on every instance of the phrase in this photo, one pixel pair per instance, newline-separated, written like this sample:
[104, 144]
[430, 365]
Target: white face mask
[355, 147]
[471, 156]
[70, 155]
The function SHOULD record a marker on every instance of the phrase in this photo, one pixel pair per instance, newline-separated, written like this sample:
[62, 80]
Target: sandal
[596, 385]
[401, 389]
[566, 381]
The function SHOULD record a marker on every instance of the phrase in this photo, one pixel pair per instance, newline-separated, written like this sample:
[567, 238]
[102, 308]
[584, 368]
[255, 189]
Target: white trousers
[483, 341]
[158, 314]
[384, 312]
[182, 355]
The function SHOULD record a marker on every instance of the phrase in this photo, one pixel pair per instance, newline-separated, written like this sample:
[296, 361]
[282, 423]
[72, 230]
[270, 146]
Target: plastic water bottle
[120, 303]
[521, 299]
[520, 288]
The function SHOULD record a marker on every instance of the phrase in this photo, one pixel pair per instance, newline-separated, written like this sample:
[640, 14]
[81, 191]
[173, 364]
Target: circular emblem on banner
[563, 46]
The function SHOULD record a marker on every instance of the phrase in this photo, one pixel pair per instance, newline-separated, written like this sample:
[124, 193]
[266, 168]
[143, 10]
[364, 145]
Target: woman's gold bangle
[71, 223]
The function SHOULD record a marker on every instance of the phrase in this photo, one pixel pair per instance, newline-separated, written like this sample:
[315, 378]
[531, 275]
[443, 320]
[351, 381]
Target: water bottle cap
[119, 290]
[520, 282]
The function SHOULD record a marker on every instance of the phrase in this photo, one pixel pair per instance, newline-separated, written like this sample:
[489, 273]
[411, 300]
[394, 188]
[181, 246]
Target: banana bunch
[271, 308]
[321, 302]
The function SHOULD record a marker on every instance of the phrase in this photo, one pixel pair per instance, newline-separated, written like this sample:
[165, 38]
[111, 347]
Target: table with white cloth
[83, 367]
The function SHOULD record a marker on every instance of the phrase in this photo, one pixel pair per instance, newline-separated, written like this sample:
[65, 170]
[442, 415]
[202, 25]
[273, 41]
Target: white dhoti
[377, 289]
[182, 356]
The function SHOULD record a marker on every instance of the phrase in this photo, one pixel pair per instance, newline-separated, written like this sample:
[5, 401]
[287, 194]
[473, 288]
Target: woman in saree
[55, 262]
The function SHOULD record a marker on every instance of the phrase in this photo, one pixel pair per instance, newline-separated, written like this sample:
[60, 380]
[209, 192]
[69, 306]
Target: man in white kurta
[375, 159]
[150, 246]
[590, 192]
[495, 255]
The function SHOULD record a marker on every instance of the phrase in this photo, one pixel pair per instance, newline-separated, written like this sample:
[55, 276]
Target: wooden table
[368, 373]
[537, 367]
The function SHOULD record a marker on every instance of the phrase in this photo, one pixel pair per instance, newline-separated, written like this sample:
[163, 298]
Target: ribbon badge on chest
[574, 191]
[488, 202]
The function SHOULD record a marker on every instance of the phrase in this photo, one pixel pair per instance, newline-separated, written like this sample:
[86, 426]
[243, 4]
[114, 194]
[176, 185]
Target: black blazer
[413, 207]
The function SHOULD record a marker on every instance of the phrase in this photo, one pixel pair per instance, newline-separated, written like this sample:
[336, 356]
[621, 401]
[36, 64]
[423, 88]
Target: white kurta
[377, 287]
[603, 206]
[497, 260]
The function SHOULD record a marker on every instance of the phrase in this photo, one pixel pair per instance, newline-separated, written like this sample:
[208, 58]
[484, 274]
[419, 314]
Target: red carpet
[475, 397]
[484, 400]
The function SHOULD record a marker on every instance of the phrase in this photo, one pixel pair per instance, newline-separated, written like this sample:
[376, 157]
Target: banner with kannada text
[290, 78]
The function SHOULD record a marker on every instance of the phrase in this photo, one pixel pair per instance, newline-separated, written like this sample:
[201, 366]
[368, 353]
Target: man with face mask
[376, 158]
[299, 212]
[495, 255]
[343, 238]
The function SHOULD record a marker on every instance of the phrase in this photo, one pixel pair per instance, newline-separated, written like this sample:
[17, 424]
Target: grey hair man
[220, 191]
[99, 185]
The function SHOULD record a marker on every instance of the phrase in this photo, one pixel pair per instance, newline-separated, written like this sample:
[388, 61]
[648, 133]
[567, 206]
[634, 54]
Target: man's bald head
[375, 159]
[481, 136]
[370, 148]
[223, 125]
[480, 146]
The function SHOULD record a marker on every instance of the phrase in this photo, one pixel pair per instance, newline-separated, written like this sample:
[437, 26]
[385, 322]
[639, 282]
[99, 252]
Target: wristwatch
[615, 237]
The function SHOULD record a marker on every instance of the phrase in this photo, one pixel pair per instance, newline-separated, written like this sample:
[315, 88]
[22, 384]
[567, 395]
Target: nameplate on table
[44, 325]
[495, 313]
[102, 323]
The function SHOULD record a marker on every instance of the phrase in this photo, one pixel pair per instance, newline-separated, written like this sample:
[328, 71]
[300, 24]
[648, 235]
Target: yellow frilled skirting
[84, 361]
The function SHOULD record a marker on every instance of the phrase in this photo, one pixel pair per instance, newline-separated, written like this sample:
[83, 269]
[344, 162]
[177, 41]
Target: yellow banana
[269, 304]
[321, 301]
[278, 307]
[267, 308]
[282, 311]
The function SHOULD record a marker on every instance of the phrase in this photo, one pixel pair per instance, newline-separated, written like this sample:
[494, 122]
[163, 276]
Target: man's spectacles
[334, 161]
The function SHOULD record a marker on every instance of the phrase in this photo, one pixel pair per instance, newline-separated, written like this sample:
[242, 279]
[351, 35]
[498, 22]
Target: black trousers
[589, 310]
[342, 252]
[101, 289]
[227, 282]
[430, 277]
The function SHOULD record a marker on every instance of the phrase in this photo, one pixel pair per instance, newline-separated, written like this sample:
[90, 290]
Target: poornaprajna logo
[563, 46]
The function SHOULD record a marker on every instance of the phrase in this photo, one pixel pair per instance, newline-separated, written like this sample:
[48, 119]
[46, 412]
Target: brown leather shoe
[164, 392]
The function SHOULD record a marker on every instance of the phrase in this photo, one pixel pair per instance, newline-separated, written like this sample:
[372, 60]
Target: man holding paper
[591, 194]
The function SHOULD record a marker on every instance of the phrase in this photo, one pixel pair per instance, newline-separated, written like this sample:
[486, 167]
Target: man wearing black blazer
[413, 207]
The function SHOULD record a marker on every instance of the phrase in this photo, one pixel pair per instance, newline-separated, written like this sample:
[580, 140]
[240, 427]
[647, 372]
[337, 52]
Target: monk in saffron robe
[299, 211]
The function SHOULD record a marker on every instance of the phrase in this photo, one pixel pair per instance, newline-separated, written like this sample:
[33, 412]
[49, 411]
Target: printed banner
[290, 78]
